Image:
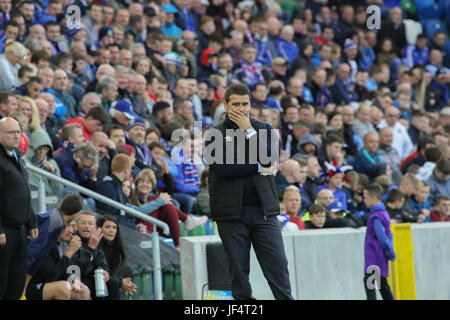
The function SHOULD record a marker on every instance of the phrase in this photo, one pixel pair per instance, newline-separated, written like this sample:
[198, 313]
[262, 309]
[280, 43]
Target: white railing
[156, 223]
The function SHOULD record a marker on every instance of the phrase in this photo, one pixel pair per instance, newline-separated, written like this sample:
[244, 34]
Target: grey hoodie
[305, 139]
[38, 139]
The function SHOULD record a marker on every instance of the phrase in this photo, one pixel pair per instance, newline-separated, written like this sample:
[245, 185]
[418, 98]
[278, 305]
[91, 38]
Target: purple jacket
[375, 244]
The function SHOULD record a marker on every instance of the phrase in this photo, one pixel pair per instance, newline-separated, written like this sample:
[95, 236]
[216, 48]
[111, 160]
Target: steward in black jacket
[16, 214]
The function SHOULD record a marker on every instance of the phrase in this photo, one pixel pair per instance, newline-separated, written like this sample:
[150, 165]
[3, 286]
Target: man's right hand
[2, 239]
[74, 246]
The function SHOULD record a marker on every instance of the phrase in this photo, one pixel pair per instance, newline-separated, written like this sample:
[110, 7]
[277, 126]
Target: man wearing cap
[437, 92]
[172, 63]
[105, 37]
[135, 136]
[350, 52]
[170, 29]
[122, 113]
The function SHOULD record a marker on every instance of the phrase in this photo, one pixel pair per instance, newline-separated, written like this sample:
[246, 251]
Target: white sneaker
[193, 222]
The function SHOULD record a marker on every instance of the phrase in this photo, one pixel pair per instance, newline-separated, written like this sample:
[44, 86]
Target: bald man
[101, 71]
[368, 161]
[16, 216]
[402, 141]
[390, 154]
[362, 124]
[288, 175]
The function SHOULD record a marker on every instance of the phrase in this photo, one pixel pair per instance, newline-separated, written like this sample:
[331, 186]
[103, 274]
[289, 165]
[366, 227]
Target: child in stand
[378, 246]
[317, 216]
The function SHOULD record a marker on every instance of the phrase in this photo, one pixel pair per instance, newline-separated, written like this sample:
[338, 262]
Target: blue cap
[125, 107]
[136, 122]
[336, 206]
[169, 8]
[207, 121]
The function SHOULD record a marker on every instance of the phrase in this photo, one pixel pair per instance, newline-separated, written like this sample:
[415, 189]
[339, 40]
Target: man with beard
[162, 113]
[136, 137]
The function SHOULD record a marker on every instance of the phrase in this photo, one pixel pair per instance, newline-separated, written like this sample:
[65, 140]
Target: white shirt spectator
[402, 141]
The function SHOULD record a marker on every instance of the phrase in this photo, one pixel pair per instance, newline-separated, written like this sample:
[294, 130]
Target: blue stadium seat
[433, 11]
[447, 12]
[430, 26]
[421, 4]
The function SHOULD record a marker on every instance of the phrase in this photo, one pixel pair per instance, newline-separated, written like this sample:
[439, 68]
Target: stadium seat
[430, 26]
[413, 29]
[447, 13]
[422, 4]
[435, 11]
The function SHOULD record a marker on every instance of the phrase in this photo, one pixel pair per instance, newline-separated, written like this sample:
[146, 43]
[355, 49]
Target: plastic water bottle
[100, 285]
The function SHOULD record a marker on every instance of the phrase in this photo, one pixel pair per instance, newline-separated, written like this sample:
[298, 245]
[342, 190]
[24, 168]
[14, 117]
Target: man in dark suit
[243, 196]
[16, 214]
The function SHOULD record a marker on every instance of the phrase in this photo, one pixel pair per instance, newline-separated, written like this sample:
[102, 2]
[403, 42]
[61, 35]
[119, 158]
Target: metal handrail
[115, 204]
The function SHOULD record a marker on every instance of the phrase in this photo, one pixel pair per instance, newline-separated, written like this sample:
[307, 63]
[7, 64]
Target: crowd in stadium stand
[351, 104]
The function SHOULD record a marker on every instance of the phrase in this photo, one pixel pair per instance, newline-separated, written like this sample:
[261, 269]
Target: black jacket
[15, 201]
[52, 268]
[232, 186]
[88, 260]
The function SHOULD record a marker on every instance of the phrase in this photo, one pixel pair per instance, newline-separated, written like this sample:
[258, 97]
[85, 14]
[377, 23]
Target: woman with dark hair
[114, 250]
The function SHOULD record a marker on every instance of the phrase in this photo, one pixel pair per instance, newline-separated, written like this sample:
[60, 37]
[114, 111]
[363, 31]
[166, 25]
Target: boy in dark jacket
[378, 246]
[51, 280]
[51, 225]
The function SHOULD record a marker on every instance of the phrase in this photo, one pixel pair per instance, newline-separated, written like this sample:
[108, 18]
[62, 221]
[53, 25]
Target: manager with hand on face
[243, 195]
[16, 214]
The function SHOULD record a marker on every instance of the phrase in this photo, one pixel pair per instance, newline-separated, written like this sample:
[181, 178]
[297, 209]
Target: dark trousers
[265, 235]
[384, 288]
[13, 264]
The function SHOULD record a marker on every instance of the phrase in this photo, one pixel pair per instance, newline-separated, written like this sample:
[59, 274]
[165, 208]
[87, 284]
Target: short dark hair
[316, 209]
[71, 204]
[114, 126]
[11, 23]
[156, 144]
[443, 166]
[332, 138]
[98, 113]
[374, 190]
[441, 198]
[394, 195]
[160, 106]
[4, 96]
[24, 70]
[237, 89]
[432, 154]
